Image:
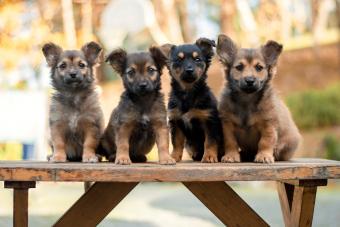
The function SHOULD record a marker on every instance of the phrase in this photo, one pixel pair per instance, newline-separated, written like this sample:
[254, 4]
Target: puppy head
[248, 70]
[188, 63]
[140, 71]
[72, 69]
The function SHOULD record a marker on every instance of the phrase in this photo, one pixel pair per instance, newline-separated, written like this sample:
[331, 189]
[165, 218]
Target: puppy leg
[90, 145]
[162, 141]
[58, 143]
[210, 143]
[231, 153]
[266, 144]
[286, 147]
[177, 139]
[122, 137]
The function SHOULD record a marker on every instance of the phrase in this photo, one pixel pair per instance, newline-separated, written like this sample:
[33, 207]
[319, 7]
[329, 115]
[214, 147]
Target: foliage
[316, 108]
[332, 147]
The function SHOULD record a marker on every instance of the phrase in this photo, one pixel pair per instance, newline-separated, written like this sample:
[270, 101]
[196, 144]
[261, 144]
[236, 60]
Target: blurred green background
[308, 79]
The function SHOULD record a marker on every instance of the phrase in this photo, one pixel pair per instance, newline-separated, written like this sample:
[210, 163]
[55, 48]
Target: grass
[332, 147]
[316, 108]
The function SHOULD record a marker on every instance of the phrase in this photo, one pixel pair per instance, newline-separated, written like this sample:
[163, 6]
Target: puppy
[139, 120]
[192, 108]
[257, 125]
[76, 119]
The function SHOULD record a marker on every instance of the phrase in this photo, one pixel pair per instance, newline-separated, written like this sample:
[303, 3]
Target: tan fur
[75, 118]
[259, 126]
[181, 55]
[139, 121]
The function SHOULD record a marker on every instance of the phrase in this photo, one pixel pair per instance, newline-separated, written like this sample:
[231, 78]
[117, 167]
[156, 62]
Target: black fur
[197, 96]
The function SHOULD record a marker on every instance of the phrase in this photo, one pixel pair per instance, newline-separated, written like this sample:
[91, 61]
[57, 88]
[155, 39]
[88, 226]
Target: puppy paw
[123, 160]
[89, 157]
[58, 158]
[167, 161]
[231, 157]
[264, 157]
[177, 156]
[209, 158]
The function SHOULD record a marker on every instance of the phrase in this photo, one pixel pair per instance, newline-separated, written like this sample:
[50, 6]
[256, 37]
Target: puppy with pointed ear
[139, 121]
[192, 108]
[257, 125]
[76, 119]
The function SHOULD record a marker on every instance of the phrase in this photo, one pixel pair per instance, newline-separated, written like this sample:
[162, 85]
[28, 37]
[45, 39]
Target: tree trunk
[168, 20]
[68, 23]
[228, 13]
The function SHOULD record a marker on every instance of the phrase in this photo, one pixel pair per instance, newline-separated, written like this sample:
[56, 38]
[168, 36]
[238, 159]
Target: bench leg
[226, 204]
[20, 201]
[297, 199]
[93, 206]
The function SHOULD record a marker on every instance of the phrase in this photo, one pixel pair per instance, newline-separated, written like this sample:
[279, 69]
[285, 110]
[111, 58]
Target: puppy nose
[189, 70]
[73, 75]
[143, 84]
[250, 80]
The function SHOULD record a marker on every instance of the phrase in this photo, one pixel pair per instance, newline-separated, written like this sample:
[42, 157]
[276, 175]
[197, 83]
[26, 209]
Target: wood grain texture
[20, 201]
[227, 206]
[20, 208]
[303, 206]
[297, 203]
[285, 192]
[93, 206]
[185, 171]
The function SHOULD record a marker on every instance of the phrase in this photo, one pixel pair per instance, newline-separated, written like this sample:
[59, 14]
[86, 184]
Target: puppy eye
[179, 59]
[151, 70]
[258, 67]
[239, 67]
[131, 72]
[63, 65]
[81, 65]
[197, 59]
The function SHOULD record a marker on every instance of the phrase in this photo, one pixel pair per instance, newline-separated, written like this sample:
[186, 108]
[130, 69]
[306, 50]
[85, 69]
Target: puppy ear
[167, 49]
[226, 49]
[52, 52]
[207, 46]
[117, 59]
[92, 52]
[271, 51]
[158, 57]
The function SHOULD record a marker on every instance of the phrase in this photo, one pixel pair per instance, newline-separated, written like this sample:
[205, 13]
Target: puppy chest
[73, 121]
[247, 137]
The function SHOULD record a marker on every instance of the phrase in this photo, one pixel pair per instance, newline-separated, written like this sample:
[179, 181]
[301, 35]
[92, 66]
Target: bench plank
[182, 172]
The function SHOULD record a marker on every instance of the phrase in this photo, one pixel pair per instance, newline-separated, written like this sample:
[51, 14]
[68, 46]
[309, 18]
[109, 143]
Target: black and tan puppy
[139, 120]
[257, 124]
[192, 108]
[76, 119]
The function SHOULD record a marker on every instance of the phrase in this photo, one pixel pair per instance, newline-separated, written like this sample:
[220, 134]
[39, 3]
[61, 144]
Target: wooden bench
[297, 182]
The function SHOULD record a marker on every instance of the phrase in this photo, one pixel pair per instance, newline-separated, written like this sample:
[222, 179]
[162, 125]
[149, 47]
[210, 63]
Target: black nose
[189, 70]
[250, 80]
[143, 84]
[73, 75]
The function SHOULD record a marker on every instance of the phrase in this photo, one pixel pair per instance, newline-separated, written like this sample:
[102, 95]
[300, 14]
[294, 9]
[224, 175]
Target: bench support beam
[20, 201]
[93, 206]
[297, 199]
[225, 203]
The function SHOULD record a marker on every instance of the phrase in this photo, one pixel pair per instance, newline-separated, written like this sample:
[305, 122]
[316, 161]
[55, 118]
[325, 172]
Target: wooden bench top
[302, 169]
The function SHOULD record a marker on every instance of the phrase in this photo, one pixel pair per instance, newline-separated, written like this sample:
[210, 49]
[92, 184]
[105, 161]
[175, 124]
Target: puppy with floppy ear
[76, 119]
[139, 120]
[257, 125]
[192, 108]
